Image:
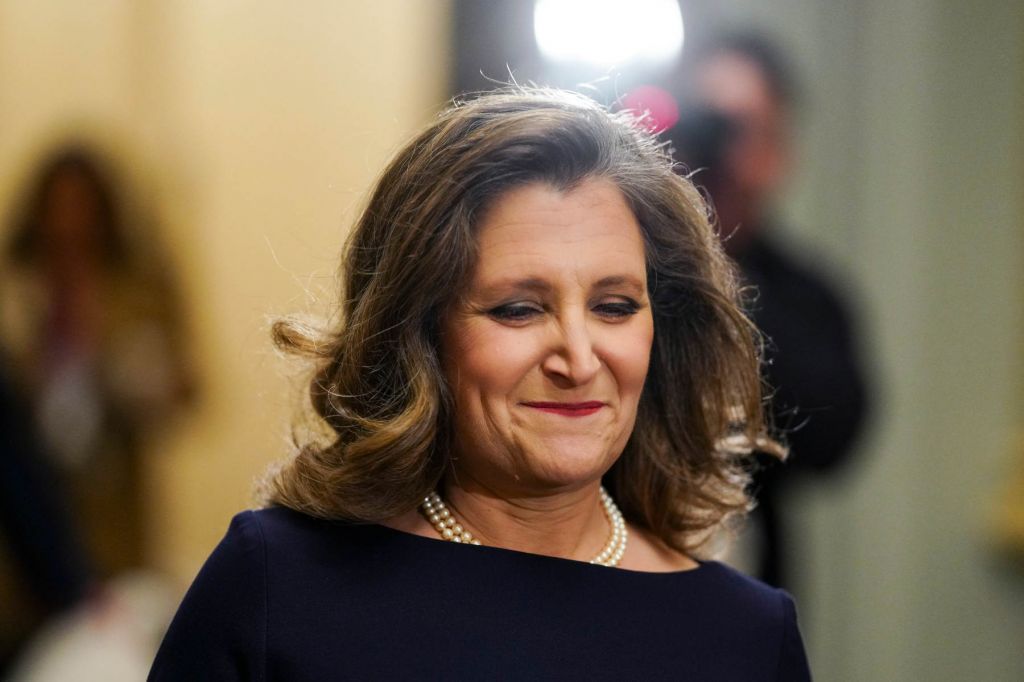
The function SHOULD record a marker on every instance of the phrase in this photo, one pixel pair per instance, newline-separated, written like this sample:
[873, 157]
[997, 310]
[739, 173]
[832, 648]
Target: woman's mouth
[567, 409]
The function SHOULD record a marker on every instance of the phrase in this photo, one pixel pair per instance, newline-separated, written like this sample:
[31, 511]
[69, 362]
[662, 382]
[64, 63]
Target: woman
[94, 348]
[534, 304]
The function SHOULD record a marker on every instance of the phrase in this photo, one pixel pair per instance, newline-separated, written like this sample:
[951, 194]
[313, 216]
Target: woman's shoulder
[731, 589]
[283, 530]
[295, 543]
[725, 605]
[276, 522]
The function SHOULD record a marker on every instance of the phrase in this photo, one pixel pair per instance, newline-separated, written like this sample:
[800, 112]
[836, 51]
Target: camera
[700, 140]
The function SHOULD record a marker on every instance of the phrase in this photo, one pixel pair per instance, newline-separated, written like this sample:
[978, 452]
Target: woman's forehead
[536, 232]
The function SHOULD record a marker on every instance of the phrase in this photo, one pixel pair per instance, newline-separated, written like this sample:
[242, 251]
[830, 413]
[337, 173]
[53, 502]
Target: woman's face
[547, 350]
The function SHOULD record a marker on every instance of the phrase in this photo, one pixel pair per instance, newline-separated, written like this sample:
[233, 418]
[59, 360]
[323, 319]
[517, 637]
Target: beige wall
[256, 128]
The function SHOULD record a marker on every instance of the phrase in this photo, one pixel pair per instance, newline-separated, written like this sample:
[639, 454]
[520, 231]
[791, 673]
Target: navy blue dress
[289, 597]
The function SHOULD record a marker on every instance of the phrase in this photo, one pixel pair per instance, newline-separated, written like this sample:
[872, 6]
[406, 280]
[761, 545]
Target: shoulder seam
[783, 632]
[266, 593]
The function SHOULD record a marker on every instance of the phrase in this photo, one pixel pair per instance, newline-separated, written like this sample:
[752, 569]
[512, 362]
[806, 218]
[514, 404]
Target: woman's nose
[573, 357]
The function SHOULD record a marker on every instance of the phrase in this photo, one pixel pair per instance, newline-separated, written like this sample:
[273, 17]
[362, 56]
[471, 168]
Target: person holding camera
[735, 136]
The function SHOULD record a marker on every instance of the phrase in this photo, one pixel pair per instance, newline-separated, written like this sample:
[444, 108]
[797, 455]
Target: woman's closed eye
[515, 312]
[618, 308]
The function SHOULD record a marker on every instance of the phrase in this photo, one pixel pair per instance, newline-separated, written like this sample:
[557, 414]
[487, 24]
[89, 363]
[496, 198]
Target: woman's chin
[569, 468]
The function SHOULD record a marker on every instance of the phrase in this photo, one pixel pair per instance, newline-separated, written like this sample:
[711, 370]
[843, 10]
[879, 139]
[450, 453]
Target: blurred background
[175, 174]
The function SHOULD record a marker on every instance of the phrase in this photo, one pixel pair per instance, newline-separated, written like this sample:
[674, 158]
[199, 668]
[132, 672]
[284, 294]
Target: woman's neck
[570, 524]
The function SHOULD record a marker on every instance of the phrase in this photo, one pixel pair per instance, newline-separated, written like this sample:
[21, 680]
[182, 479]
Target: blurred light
[656, 108]
[608, 32]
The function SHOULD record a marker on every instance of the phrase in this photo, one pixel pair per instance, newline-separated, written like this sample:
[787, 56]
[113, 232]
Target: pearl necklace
[450, 529]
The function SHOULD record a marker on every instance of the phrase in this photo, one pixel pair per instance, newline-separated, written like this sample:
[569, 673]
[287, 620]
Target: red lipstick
[567, 409]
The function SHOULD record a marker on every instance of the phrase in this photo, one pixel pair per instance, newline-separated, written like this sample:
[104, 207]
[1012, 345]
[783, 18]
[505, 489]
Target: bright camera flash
[608, 32]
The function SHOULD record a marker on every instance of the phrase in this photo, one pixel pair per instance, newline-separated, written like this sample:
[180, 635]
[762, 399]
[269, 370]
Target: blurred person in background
[92, 338]
[45, 570]
[542, 377]
[735, 132]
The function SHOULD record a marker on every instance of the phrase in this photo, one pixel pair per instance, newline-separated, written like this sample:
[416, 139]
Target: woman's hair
[379, 385]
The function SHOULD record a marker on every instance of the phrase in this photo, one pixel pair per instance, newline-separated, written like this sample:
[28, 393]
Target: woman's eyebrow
[620, 280]
[540, 285]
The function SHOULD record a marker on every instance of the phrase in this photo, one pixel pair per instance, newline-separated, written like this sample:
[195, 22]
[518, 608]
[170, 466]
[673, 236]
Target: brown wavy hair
[378, 385]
